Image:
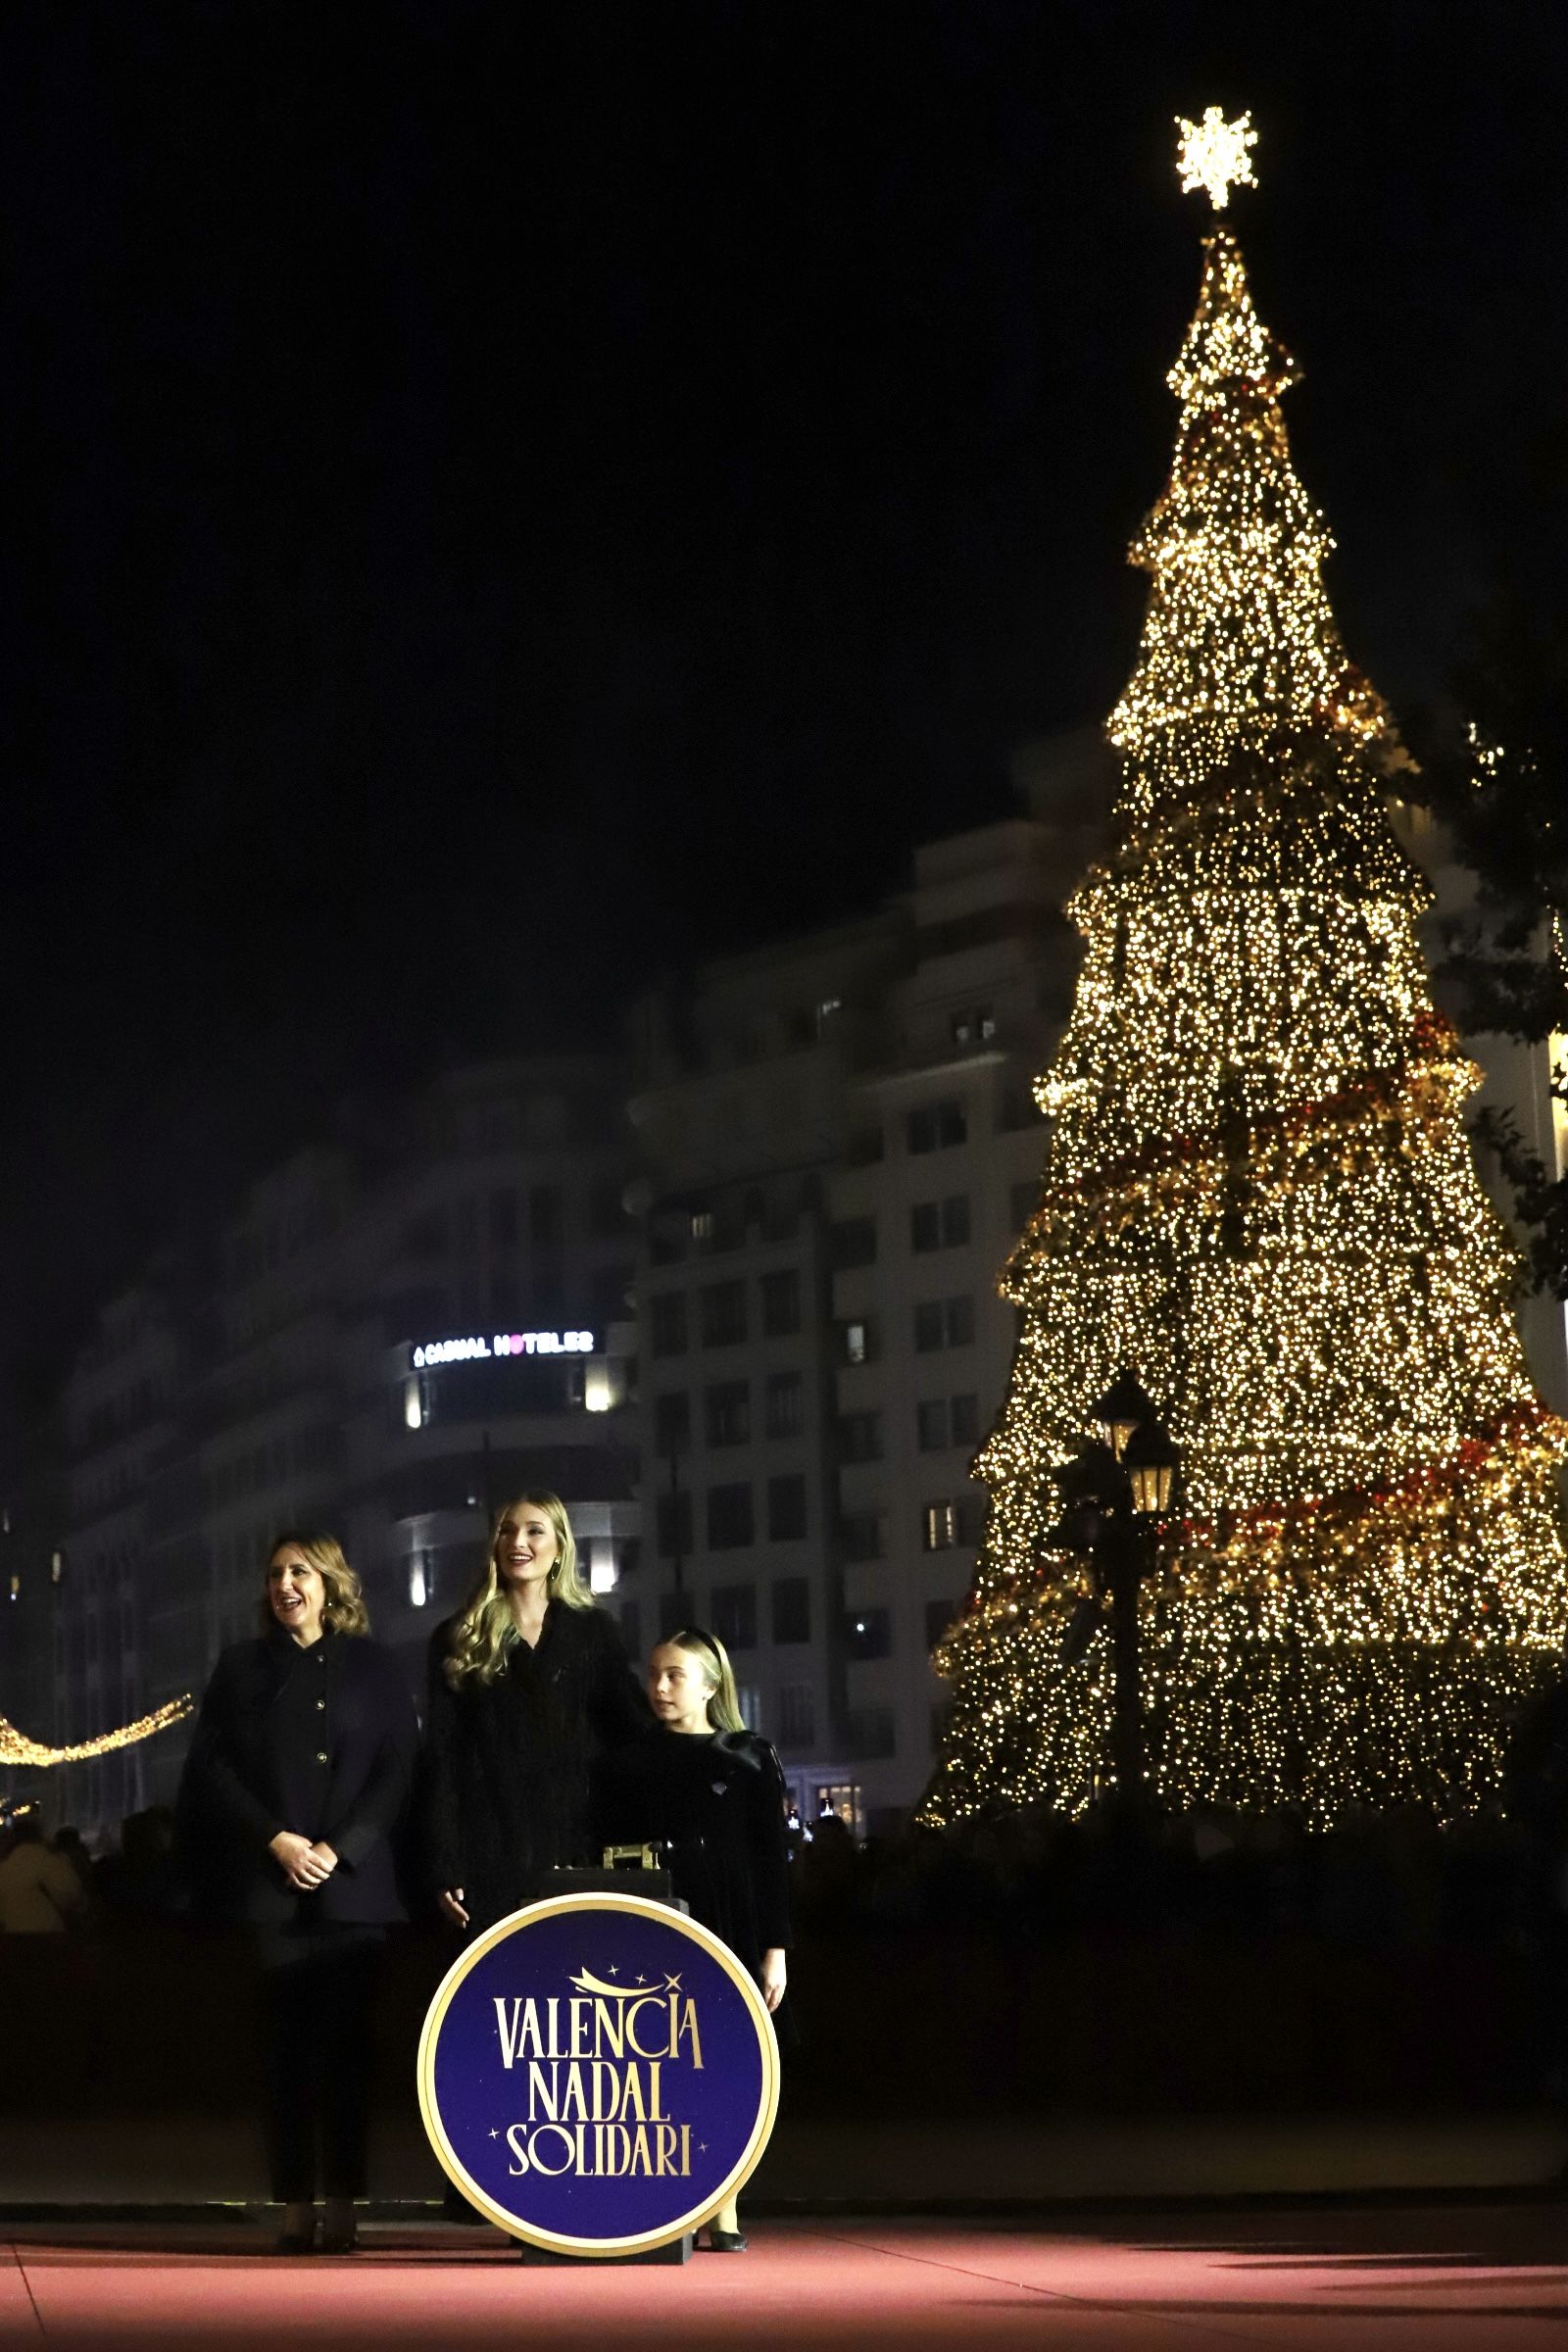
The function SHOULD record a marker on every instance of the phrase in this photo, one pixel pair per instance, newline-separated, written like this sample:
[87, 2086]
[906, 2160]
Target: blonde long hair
[724, 1699]
[344, 1610]
[486, 1631]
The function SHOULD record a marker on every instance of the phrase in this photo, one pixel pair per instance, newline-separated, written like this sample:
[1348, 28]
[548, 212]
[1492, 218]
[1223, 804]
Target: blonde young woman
[715, 1791]
[529, 1685]
[297, 1779]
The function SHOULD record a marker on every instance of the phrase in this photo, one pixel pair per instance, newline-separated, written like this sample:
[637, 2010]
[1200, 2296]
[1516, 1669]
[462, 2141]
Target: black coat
[507, 1762]
[321, 1740]
[718, 1800]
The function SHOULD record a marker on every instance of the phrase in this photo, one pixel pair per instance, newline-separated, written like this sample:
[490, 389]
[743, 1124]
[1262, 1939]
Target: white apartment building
[388, 1337]
[840, 1142]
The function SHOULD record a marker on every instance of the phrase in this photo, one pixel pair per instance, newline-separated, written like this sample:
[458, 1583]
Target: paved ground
[1449, 2278]
[858, 2164]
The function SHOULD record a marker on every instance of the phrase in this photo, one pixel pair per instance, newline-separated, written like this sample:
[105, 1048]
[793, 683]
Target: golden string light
[17, 1749]
[1259, 1192]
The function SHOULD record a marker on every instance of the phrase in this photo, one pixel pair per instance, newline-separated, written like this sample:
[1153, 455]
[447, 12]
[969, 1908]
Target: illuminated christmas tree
[1259, 1194]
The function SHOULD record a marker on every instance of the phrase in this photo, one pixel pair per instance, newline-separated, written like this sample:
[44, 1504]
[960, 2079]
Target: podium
[598, 2072]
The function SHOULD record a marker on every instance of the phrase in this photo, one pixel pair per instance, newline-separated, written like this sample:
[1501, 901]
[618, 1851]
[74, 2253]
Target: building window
[971, 1519]
[940, 1224]
[797, 1715]
[786, 1508]
[672, 1422]
[734, 1613]
[784, 1404]
[868, 1634]
[727, 1413]
[975, 1027]
[858, 1349]
[861, 1438]
[421, 1581]
[547, 1214]
[964, 1418]
[722, 1308]
[668, 1335]
[937, 1126]
[750, 1701]
[703, 1225]
[863, 1535]
[852, 1243]
[942, 1323]
[781, 1304]
[840, 1800]
[826, 1009]
[1022, 1201]
[931, 1424]
[792, 1610]
[729, 1517]
[872, 1733]
[939, 1615]
[675, 1613]
[672, 1518]
[416, 1403]
[734, 1617]
[939, 1527]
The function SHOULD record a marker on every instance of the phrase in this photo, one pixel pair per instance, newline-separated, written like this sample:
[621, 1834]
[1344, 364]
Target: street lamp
[1114, 1493]
[1124, 1407]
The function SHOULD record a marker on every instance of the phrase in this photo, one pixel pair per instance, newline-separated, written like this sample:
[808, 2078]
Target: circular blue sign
[598, 2074]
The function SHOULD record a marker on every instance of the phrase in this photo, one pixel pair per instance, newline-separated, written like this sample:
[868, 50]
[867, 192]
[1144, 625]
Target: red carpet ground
[1443, 2280]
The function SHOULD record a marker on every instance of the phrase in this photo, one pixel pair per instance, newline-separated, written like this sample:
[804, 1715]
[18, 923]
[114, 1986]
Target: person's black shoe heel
[726, 2241]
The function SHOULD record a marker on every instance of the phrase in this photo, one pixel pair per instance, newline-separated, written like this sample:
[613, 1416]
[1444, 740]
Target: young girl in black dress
[715, 1791]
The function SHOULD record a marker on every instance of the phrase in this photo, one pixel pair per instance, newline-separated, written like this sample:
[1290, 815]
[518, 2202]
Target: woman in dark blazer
[298, 1776]
[529, 1685]
[713, 1792]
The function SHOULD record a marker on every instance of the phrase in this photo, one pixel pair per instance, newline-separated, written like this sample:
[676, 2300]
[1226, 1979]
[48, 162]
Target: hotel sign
[502, 1343]
[598, 2074]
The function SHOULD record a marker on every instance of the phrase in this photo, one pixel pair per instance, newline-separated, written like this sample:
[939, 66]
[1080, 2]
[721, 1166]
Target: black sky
[499, 499]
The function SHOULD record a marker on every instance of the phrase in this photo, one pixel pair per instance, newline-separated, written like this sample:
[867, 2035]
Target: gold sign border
[550, 2241]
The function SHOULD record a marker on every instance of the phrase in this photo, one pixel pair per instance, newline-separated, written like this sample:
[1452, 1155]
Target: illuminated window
[413, 1404]
[939, 1527]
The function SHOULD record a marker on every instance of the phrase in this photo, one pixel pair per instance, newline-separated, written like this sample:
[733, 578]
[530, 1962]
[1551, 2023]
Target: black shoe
[725, 2242]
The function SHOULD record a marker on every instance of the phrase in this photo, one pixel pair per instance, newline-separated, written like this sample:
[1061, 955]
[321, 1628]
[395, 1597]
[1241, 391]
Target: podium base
[545, 2258]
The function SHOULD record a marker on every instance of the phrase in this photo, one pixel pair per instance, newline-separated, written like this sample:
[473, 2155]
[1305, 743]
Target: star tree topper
[1214, 155]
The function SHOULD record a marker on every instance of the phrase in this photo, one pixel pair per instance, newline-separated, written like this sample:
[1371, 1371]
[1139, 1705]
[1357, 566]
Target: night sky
[499, 500]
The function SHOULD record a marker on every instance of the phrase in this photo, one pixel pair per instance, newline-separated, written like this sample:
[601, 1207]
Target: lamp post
[1115, 1490]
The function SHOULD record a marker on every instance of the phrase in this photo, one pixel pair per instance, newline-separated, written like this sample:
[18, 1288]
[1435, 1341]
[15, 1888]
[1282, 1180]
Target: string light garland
[1259, 1193]
[17, 1749]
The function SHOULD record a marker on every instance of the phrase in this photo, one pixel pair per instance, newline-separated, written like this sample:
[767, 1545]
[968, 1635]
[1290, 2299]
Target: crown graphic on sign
[587, 1982]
